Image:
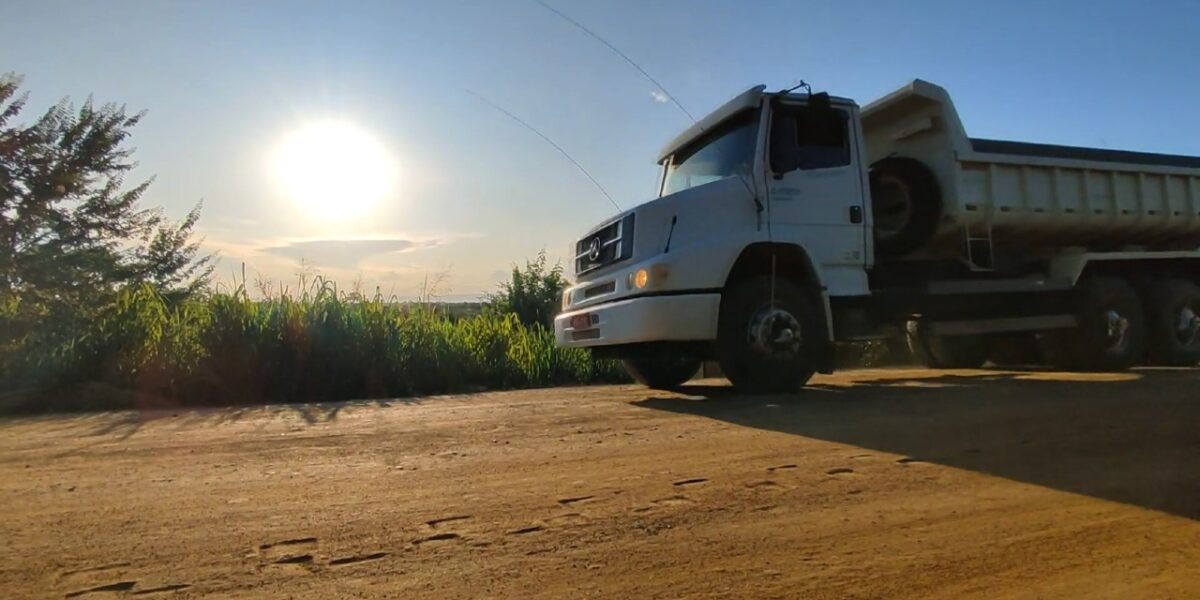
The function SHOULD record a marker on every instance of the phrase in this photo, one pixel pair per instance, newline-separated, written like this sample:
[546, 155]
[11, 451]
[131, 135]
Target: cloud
[659, 96]
[344, 254]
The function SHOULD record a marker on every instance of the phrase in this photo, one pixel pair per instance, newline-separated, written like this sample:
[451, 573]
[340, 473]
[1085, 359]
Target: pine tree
[71, 234]
[69, 229]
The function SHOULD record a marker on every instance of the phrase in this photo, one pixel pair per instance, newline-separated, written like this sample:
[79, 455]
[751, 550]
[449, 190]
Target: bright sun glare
[333, 169]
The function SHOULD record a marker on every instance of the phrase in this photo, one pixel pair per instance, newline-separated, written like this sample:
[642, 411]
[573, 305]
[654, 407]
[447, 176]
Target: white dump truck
[786, 223]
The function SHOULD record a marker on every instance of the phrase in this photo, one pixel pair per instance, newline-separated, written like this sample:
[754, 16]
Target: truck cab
[788, 222]
[766, 184]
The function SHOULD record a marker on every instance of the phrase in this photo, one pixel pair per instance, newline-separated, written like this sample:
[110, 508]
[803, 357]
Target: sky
[470, 193]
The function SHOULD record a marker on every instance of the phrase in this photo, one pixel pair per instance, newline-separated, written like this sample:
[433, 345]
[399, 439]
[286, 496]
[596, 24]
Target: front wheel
[661, 372]
[770, 338]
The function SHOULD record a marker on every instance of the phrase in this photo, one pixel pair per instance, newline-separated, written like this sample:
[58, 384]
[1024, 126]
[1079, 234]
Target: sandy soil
[870, 484]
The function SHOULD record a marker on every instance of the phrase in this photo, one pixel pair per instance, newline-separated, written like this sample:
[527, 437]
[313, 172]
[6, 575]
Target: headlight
[641, 279]
[566, 299]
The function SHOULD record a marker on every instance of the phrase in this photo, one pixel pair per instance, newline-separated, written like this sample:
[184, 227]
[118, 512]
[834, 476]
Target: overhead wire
[547, 139]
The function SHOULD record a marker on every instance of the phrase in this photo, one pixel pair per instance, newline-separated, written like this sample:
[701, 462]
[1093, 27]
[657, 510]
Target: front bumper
[668, 318]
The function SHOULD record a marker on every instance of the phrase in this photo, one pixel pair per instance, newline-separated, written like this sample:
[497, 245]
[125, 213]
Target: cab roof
[750, 98]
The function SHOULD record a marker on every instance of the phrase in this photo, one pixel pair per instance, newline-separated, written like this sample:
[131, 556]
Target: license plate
[581, 321]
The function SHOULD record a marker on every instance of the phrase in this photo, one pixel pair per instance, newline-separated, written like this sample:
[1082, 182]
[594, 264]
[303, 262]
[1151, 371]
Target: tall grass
[226, 348]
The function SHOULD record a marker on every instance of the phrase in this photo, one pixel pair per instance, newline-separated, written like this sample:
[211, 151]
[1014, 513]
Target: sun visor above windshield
[747, 99]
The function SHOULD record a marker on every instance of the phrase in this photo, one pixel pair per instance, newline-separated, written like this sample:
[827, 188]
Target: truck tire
[947, 352]
[661, 372]
[765, 346]
[1173, 323]
[1112, 329]
[906, 205]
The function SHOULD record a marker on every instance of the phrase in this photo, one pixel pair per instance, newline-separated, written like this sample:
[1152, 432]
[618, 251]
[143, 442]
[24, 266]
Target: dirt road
[871, 484]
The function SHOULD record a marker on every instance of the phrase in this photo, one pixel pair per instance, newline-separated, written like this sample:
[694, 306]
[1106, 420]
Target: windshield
[724, 152]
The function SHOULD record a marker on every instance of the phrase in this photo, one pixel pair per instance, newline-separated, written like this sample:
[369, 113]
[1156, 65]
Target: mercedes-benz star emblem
[594, 249]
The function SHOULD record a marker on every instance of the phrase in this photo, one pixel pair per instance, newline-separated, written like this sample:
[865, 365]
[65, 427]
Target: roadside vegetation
[105, 304]
[226, 348]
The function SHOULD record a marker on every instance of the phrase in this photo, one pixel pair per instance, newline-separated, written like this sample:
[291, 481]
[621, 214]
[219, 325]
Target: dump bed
[1036, 195]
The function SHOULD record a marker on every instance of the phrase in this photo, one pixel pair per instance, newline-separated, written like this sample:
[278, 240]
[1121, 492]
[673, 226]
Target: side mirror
[820, 102]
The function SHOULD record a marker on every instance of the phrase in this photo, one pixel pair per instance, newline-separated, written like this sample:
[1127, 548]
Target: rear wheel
[769, 342]
[1112, 329]
[947, 352]
[661, 372]
[1173, 323]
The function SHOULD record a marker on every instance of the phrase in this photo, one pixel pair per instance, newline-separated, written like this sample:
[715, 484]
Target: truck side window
[807, 138]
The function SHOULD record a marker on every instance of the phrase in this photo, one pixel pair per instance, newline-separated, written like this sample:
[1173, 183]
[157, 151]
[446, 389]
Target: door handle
[856, 215]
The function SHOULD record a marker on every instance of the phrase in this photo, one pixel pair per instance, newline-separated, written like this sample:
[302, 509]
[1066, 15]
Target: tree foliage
[534, 293]
[71, 233]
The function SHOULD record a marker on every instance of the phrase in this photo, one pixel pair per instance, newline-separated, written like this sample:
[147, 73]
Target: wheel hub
[1187, 326]
[776, 333]
[1117, 328]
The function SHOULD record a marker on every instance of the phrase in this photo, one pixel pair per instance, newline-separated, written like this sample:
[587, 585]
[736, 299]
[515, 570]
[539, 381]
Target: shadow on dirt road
[104, 427]
[1134, 440]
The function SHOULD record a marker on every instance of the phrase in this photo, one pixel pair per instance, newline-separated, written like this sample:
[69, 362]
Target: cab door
[815, 190]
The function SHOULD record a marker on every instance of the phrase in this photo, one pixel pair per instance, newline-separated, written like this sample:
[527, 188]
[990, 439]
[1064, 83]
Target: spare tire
[906, 204]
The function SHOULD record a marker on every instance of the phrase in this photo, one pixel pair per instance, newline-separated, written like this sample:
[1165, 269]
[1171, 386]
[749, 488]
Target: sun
[333, 169]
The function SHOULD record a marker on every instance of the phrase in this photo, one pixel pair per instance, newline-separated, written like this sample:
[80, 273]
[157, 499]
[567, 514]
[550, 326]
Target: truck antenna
[633, 64]
[548, 141]
[803, 84]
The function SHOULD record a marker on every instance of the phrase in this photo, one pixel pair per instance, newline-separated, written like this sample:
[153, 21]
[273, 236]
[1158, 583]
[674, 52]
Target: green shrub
[228, 349]
[534, 293]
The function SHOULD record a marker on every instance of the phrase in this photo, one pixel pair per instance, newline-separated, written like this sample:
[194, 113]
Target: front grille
[610, 244]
